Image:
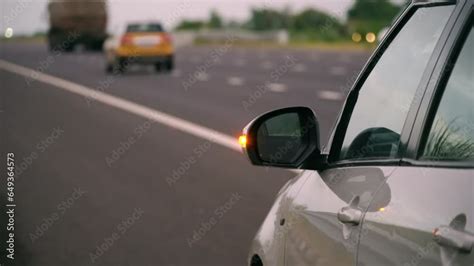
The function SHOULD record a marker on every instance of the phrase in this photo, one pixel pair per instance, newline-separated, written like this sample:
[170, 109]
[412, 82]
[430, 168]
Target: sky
[29, 16]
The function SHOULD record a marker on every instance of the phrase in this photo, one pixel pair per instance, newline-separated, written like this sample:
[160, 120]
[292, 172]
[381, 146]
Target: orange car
[142, 43]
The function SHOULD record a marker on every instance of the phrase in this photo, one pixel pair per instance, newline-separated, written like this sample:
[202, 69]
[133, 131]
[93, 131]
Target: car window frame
[434, 93]
[337, 137]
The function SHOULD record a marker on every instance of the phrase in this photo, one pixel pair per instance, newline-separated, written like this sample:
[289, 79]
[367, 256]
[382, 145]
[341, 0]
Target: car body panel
[402, 205]
[139, 47]
[143, 44]
[270, 238]
[422, 199]
[316, 236]
[427, 196]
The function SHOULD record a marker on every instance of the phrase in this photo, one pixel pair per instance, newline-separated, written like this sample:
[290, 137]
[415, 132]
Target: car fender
[269, 241]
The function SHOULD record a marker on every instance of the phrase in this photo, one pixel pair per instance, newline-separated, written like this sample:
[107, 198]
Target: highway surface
[145, 172]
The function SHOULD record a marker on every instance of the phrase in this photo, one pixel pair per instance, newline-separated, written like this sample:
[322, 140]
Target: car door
[325, 217]
[429, 219]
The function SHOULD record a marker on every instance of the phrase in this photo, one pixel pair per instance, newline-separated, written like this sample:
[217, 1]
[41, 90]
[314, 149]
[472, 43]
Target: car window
[451, 136]
[144, 28]
[386, 95]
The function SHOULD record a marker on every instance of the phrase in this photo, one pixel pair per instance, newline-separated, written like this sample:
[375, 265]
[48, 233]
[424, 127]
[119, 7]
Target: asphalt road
[86, 194]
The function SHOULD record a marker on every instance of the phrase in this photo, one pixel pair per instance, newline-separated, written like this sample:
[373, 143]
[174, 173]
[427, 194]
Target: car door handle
[449, 237]
[350, 217]
[454, 235]
[350, 214]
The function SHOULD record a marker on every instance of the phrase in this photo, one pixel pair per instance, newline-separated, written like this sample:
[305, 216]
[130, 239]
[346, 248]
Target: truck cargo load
[77, 22]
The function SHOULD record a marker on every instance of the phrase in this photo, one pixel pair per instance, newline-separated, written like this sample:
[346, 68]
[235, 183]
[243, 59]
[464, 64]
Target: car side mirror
[287, 138]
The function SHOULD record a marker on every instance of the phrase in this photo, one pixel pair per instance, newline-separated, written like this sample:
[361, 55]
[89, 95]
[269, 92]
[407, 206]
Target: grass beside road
[306, 45]
[32, 39]
[338, 46]
[328, 46]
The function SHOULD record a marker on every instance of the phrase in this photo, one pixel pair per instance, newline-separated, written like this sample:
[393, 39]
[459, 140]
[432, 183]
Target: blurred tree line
[371, 16]
[309, 24]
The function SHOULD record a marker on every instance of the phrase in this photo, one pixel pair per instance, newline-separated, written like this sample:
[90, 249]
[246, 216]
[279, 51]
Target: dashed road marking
[202, 76]
[330, 95]
[267, 65]
[299, 68]
[235, 81]
[277, 87]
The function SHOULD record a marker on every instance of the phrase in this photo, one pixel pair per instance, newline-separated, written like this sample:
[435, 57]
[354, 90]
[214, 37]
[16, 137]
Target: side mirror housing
[287, 138]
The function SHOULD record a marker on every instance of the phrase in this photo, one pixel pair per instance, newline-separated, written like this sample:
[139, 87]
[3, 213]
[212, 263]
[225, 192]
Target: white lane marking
[131, 107]
[330, 95]
[277, 87]
[338, 71]
[128, 106]
[299, 68]
[235, 81]
[202, 76]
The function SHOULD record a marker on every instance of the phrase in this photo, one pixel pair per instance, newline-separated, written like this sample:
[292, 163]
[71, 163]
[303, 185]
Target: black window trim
[434, 94]
[337, 138]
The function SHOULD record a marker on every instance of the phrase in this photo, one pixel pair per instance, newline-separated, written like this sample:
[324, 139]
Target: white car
[395, 185]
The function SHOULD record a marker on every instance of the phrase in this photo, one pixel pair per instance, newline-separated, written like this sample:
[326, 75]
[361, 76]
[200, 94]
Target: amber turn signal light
[243, 141]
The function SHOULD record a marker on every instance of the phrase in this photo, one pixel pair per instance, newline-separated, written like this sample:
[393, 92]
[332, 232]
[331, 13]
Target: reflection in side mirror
[287, 138]
[279, 139]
